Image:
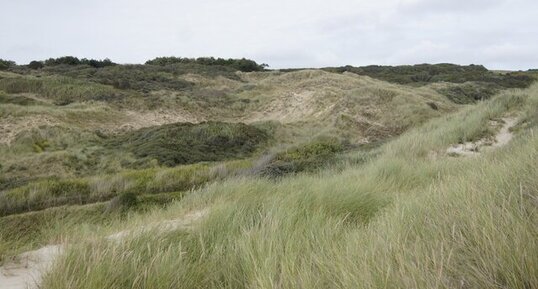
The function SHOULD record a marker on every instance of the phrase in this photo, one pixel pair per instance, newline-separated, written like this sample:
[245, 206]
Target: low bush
[467, 93]
[123, 202]
[36, 65]
[142, 78]
[146, 202]
[445, 72]
[186, 143]
[309, 157]
[139, 77]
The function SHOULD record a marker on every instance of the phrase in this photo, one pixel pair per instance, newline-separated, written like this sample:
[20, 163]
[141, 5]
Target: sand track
[503, 137]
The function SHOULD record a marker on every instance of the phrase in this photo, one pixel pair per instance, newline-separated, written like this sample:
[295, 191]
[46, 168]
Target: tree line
[243, 64]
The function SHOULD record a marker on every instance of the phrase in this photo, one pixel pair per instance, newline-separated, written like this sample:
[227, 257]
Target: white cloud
[283, 33]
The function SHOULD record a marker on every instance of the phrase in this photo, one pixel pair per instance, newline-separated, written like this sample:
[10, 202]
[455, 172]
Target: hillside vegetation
[329, 178]
[475, 81]
[402, 220]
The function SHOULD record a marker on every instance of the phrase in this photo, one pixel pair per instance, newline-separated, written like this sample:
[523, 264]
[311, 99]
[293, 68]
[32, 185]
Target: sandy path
[26, 272]
[28, 268]
[503, 137]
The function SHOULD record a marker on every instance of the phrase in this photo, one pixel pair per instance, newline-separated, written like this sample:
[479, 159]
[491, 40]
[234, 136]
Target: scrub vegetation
[330, 178]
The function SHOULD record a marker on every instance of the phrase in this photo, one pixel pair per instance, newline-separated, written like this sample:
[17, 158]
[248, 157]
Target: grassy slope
[55, 149]
[48, 140]
[403, 220]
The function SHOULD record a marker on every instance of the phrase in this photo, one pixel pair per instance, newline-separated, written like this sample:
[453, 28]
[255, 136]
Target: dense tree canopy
[5, 64]
[71, 60]
[243, 64]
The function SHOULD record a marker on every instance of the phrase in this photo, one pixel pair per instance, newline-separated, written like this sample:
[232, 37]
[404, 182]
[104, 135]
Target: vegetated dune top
[301, 96]
[286, 189]
[59, 116]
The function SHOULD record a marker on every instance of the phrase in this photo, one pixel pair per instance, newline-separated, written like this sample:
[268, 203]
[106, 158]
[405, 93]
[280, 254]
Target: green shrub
[444, 72]
[35, 65]
[71, 60]
[41, 145]
[309, 157]
[245, 65]
[467, 93]
[6, 64]
[123, 202]
[185, 143]
[146, 202]
[143, 78]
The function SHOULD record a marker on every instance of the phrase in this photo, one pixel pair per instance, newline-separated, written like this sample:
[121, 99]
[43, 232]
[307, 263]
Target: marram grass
[411, 218]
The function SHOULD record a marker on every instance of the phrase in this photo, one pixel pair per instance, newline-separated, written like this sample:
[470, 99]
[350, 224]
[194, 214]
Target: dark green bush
[445, 72]
[36, 65]
[186, 143]
[71, 60]
[467, 93]
[123, 202]
[6, 64]
[243, 64]
[161, 200]
[308, 157]
[139, 77]
[136, 77]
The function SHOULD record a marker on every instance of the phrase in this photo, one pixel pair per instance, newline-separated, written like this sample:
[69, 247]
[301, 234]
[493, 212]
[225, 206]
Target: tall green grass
[48, 193]
[412, 218]
[29, 231]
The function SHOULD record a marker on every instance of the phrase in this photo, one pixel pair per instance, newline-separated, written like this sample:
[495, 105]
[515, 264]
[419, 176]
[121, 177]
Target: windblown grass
[411, 218]
[48, 193]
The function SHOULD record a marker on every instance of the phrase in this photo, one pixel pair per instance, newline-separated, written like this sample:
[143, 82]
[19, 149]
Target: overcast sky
[501, 34]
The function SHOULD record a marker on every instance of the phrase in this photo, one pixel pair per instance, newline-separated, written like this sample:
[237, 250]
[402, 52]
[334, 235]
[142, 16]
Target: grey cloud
[283, 33]
[444, 6]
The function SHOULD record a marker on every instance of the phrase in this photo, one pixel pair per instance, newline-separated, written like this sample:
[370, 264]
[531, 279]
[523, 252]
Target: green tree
[35, 65]
[6, 64]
